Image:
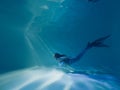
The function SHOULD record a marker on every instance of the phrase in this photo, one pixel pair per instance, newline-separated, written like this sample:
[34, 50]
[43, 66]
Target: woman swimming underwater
[66, 61]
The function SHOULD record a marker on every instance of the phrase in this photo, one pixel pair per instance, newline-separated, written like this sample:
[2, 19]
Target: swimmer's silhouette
[64, 60]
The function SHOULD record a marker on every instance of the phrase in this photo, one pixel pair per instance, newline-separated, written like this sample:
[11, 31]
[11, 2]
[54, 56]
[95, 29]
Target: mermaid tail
[98, 42]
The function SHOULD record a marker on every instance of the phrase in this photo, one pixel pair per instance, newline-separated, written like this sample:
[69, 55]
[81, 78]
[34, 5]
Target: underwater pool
[32, 31]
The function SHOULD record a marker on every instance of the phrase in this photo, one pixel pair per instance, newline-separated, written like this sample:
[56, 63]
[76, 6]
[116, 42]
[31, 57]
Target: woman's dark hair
[57, 55]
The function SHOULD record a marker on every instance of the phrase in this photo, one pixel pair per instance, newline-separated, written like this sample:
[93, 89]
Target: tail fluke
[102, 38]
[99, 42]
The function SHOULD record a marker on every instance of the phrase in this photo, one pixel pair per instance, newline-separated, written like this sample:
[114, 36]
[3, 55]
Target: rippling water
[37, 78]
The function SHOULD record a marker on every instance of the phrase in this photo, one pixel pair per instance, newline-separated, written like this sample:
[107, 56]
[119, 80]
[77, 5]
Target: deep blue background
[65, 29]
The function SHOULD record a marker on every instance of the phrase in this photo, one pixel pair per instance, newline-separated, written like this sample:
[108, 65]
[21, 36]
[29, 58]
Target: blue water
[31, 31]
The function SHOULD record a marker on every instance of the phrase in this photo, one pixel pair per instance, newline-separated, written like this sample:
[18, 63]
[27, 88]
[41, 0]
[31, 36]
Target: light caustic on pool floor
[52, 79]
